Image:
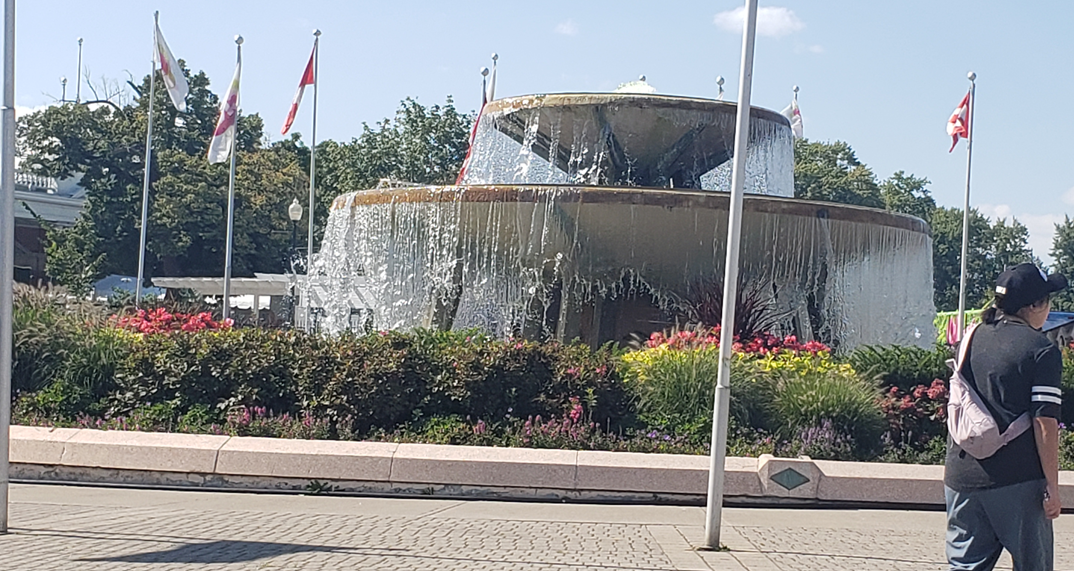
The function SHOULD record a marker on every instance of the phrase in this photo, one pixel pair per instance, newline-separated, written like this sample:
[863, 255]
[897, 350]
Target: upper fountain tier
[627, 139]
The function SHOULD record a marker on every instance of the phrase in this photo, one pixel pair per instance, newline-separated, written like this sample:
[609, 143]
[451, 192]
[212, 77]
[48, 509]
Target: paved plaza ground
[86, 528]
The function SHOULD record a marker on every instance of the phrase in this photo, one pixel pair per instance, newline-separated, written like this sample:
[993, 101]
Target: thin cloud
[567, 28]
[817, 49]
[772, 21]
[1068, 196]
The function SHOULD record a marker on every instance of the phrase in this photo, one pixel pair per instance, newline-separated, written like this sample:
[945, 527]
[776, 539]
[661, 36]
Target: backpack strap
[964, 347]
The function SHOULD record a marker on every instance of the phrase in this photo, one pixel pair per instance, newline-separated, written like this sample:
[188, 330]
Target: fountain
[604, 216]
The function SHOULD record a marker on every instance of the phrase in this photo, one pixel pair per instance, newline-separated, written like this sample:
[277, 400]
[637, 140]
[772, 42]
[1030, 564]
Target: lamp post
[294, 212]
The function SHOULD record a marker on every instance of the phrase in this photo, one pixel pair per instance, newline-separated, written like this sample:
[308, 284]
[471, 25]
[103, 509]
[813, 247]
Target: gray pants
[981, 524]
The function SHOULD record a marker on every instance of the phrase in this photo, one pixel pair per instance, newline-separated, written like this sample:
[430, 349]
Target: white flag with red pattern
[174, 80]
[224, 136]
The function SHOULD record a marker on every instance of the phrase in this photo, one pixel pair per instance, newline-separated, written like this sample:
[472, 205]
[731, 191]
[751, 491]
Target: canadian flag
[223, 142]
[485, 91]
[959, 123]
[307, 79]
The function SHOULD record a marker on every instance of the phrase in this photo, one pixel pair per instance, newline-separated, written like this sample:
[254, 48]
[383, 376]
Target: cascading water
[593, 217]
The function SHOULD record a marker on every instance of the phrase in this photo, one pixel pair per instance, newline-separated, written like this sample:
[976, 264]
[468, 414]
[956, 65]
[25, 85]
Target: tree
[1063, 254]
[947, 259]
[1010, 246]
[831, 172]
[105, 145]
[908, 194]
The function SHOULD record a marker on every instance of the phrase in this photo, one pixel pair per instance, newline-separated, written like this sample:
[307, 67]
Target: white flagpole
[722, 399]
[148, 158]
[231, 200]
[7, 251]
[966, 208]
[313, 153]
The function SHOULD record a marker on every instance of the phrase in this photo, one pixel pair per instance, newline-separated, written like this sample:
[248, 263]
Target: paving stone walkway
[86, 528]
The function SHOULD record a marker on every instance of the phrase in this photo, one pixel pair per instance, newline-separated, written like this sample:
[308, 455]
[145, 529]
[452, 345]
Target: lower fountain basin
[602, 264]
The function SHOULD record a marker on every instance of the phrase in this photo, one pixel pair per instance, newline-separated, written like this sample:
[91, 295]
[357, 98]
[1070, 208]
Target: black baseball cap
[1024, 284]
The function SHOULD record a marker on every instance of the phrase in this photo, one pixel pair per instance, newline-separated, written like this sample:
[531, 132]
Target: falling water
[532, 247]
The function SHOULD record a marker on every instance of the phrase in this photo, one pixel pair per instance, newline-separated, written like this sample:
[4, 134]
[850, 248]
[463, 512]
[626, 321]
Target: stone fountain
[604, 216]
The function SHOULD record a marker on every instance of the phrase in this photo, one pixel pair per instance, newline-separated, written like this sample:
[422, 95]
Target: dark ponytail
[990, 315]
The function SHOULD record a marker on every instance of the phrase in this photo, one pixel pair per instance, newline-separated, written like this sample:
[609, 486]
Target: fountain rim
[637, 196]
[515, 103]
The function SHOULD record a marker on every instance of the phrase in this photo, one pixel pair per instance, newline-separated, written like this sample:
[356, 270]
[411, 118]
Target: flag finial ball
[796, 89]
[317, 32]
[972, 76]
[484, 72]
[238, 40]
[719, 80]
[495, 56]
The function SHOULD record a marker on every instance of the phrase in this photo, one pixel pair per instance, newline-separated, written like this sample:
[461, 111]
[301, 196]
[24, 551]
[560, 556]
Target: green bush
[675, 388]
[899, 366]
[65, 355]
[1067, 385]
[363, 382]
[217, 369]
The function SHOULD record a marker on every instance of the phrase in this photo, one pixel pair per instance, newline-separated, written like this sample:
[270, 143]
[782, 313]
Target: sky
[882, 76]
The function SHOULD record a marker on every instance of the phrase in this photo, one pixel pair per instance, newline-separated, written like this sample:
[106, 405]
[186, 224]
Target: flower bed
[183, 371]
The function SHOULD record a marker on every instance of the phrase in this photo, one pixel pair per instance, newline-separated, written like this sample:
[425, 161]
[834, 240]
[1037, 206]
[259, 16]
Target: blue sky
[883, 76]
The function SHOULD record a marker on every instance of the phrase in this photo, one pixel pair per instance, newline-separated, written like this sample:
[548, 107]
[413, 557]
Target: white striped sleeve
[1047, 398]
[1047, 390]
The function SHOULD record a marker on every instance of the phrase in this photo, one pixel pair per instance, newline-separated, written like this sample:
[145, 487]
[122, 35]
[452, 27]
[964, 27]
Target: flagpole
[721, 405]
[7, 251]
[148, 158]
[313, 154]
[231, 199]
[966, 209]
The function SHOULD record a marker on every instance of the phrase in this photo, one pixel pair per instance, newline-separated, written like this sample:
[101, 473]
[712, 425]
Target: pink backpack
[968, 421]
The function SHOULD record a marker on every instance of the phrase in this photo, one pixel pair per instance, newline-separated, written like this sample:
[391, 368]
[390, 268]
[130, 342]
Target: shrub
[161, 320]
[218, 369]
[675, 388]
[805, 391]
[361, 382]
[476, 376]
[902, 367]
[63, 352]
[917, 416]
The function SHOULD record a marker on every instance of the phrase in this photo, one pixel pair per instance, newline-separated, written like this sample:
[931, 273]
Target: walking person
[1009, 499]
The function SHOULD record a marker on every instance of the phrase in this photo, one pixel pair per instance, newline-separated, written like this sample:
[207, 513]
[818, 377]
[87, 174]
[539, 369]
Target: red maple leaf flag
[307, 79]
[959, 123]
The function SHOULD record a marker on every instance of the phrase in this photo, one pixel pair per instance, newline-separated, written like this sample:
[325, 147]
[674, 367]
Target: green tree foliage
[423, 145]
[105, 146]
[908, 194]
[1063, 254]
[833, 173]
[993, 247]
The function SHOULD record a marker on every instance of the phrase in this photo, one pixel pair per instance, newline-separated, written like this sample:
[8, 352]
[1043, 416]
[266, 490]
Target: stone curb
[160, 459]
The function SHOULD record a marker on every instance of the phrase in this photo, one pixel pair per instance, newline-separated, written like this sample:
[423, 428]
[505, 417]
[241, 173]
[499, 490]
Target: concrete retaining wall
[187, 460]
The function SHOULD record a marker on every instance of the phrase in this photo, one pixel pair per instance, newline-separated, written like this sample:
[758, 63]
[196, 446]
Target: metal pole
[7, 251]
[78, 86]
[730, 287]
[313, 149]
[148, 160]
[231, 199]
[966, 210]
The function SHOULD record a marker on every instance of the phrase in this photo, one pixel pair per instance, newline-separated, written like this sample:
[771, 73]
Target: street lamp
[294, 212]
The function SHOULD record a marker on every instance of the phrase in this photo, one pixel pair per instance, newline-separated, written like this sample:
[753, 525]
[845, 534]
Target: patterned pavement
[86, 528]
